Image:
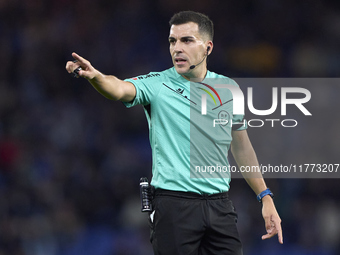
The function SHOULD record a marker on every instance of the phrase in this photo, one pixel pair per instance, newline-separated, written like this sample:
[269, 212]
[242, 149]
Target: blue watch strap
[264, 193]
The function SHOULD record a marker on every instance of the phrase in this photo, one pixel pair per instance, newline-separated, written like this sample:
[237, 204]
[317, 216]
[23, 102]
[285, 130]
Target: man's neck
[197, 77]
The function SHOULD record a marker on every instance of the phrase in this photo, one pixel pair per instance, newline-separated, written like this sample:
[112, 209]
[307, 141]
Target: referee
[192, 212]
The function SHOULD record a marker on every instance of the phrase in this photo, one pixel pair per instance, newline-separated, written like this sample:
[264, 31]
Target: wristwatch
[264, 193]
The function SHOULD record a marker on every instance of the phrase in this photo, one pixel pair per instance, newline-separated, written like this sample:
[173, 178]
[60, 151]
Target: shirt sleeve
[146, 89]
[239, 122]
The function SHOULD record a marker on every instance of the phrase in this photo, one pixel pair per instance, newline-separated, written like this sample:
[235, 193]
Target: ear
[210, 46]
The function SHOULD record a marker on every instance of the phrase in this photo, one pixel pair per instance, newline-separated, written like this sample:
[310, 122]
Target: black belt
[182, 194]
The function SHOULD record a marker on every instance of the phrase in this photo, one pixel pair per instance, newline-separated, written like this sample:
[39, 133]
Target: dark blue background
[70, 160]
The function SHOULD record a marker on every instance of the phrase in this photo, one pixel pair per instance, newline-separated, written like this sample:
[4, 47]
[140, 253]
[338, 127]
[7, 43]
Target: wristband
[75, 73]
[264, 193]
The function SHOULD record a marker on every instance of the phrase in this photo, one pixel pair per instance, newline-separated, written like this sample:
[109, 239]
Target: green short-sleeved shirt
[184, 142]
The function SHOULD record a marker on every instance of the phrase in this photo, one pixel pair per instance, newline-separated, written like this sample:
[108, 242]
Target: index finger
[279, 234]
[78, 58]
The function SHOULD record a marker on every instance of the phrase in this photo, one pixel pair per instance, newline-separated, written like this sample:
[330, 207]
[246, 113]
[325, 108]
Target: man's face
[187, 48]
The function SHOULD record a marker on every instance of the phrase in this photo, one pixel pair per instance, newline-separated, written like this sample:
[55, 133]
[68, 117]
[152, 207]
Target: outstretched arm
[108, 85]
[244, 155]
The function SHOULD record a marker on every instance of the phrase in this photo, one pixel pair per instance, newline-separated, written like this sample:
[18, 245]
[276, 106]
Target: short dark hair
[205, 25]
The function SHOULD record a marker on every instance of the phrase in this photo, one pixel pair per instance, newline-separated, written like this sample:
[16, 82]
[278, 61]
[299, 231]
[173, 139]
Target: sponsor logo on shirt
[142, 77]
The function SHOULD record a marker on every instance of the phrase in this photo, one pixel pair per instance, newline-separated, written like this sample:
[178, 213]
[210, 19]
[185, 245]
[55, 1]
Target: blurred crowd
[70, 160]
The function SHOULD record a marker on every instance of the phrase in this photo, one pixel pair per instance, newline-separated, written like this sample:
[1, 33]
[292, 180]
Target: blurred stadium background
[70, 160]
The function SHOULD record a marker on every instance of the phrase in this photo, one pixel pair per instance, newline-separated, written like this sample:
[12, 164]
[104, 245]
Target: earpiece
[193, 66]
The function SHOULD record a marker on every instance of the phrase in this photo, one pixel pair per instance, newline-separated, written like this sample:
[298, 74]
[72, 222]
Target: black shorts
[184, 223]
